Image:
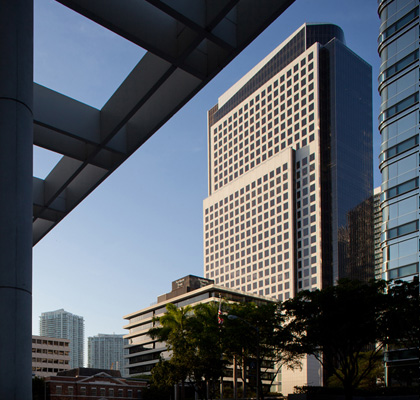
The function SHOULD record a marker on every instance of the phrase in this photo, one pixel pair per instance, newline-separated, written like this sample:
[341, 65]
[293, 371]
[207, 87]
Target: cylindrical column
[16, 139]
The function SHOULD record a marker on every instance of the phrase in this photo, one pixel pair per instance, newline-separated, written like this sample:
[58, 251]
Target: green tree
[371, 381]
[202, 348]
[402, 317]
[256, 335]
[173, 330]
[207, 336]
[347, 326]
[338, 325]
[195, 340]
[38, 388]
[164, 376]
[403, 329]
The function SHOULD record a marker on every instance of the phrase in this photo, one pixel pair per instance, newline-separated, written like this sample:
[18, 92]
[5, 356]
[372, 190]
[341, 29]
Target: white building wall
[309, 375]
[254, 206]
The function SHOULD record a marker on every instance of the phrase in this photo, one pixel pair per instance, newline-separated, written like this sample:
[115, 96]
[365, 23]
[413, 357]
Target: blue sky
[142, 228]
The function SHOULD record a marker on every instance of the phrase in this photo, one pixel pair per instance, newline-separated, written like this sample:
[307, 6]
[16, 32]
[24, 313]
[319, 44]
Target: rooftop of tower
[300, 40]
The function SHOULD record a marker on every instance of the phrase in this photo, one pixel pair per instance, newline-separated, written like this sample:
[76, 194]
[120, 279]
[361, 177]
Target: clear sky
[142, 228]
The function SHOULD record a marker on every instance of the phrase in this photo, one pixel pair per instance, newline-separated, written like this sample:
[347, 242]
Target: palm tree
[173, 331]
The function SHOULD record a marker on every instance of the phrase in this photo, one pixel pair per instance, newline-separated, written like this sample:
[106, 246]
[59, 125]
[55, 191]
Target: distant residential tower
[64, 325]
[107, 352]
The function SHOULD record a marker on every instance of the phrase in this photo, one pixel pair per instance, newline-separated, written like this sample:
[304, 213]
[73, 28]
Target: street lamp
[233, 317]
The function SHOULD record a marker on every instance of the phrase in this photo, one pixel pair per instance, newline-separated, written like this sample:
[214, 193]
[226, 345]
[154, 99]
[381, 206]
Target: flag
[219, 313]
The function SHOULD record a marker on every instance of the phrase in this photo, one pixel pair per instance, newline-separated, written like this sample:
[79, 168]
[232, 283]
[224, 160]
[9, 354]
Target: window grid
[276, 116]
[279, 116]
[247, 236]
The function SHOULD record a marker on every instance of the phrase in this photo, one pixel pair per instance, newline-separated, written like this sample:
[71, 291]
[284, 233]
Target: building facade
[398, 47]
[49, 355]
[91, 383]
[290, 179]
[144, 352]
[64, 325]
[290, 170]
[107, 352]
[399, 127]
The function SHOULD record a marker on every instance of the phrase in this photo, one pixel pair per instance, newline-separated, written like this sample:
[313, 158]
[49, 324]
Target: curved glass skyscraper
[399, 157]
[399, 127]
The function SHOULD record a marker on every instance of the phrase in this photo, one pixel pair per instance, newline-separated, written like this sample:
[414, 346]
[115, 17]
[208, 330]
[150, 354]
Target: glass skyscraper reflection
[399, 127]
[398, 47]
[290, 174]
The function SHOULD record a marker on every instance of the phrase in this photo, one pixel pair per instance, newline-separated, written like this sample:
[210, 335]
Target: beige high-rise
[290, 173]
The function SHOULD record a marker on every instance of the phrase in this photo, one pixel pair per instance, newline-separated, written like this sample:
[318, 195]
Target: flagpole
[220, 322]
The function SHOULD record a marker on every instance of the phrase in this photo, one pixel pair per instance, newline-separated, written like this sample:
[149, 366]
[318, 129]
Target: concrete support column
[16, 138]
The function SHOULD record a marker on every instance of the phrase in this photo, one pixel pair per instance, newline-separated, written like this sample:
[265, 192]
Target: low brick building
[92, 384]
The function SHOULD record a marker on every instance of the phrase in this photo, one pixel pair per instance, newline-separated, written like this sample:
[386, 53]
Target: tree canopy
[346, 327]
[402, 317]
[202, 347]
[258, 331]
[351, 322]
[194, 339]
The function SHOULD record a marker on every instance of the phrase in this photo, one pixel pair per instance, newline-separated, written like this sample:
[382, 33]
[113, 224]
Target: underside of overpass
[187, 41]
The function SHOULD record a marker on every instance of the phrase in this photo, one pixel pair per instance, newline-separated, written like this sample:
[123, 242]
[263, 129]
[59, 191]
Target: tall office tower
[64, 325]
[399, 158]
[377, 225]
[290, 203]
[107, 352]
[290, 170]
[399, 127]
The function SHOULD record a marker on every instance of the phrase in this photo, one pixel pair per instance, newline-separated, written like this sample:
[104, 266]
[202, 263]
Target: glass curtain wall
[398, 47]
